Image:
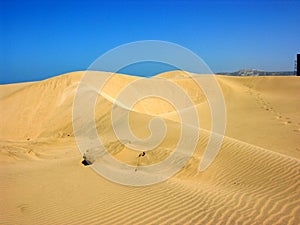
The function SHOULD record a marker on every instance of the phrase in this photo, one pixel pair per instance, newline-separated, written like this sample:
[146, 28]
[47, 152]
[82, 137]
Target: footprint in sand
[267, 106]
[23, 207]
[236, 183]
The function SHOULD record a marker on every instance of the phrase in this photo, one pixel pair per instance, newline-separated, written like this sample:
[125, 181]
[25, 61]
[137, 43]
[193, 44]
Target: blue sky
[40, 39]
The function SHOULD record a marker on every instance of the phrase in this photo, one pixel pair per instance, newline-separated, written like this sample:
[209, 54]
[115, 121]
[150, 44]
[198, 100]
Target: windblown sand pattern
[255, 178]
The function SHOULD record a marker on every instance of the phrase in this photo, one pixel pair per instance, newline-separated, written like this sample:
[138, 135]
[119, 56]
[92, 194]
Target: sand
[255, 178]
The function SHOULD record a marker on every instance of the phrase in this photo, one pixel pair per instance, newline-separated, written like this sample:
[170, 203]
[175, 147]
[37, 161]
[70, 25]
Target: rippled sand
[255, 178]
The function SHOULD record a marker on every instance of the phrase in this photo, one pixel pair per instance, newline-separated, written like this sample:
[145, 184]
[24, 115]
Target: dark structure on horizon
[298, 64]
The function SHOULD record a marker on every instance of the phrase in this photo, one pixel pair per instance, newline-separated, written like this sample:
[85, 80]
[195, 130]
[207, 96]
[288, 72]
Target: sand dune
[255, 178]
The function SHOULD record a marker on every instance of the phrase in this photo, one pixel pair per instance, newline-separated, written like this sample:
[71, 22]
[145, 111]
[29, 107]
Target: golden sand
[255, 178]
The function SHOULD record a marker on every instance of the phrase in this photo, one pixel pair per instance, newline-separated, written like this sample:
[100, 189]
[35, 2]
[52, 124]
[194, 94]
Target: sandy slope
[255, 178]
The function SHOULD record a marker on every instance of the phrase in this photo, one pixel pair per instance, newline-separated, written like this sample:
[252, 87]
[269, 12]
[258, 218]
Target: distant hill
[254, 72]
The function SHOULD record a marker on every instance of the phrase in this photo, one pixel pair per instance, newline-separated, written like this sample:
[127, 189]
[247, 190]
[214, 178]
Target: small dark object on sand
[142, 154]
[85, 161]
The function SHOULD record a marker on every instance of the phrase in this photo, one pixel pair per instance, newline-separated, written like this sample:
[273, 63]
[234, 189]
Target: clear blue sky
[40, 39]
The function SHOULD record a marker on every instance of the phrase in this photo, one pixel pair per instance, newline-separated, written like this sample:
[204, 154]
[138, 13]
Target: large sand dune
[255, 178]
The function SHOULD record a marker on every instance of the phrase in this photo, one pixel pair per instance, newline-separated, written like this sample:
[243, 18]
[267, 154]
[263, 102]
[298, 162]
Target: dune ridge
[254, 179]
